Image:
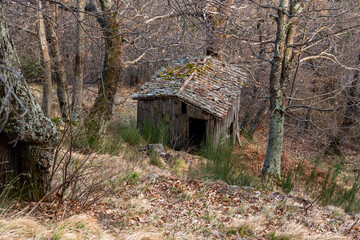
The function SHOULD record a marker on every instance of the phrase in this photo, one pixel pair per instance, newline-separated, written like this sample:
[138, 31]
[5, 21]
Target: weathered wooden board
[170, 110]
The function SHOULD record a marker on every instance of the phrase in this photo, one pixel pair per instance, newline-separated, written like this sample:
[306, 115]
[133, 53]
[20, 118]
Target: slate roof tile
[208, 84]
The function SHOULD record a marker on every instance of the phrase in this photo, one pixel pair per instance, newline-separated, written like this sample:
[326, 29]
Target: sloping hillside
[137, 198]
[166, 207]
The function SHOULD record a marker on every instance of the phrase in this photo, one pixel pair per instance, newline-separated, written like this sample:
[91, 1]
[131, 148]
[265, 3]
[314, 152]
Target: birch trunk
[47, 85]
[28, 162]
[77, 99]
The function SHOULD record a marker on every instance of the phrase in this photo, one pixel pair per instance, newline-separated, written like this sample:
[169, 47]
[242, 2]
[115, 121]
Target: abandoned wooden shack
[199, 101]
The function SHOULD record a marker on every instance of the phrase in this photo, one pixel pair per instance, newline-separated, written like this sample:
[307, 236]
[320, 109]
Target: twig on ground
[352, 226]
[312, 203]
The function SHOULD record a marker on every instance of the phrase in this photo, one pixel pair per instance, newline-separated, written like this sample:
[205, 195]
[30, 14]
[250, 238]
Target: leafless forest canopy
[313, 67]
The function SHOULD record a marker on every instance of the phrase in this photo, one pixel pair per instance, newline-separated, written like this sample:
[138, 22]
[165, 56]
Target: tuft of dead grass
[23, 228]
[74, 228]
[142, 235]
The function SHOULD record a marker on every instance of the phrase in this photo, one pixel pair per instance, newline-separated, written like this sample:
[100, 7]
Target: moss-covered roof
[208, 84]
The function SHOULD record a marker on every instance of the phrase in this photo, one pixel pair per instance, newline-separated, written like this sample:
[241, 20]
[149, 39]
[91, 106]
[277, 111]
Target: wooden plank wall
[220, 127]
[169, 109]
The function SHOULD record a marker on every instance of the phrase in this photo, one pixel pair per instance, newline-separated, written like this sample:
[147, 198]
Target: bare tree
[47, 88]
[77, 99]
[60, 74]
[281, 65]
[102, 109]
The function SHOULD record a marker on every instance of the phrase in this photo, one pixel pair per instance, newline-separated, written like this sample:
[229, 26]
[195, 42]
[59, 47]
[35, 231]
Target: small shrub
[245, 230]
[340, 195]
[220, 159]
[287, 184]
[155, 159]
[111, 142]
[109, 145]
[244, 178]
[311, 181]
[231, 232]
[129, 134]
[179, 167]
[272, 235]
[223, 164]
[132, 178]
[334, 189]
[186, 196]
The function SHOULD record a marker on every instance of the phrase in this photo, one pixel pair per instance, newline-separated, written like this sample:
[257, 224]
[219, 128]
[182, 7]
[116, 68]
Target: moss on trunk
[102, 110]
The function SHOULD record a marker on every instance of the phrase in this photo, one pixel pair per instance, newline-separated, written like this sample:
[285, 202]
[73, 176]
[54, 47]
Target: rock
[170, 156]
[153, 176]
[277, 196]
[158, 148]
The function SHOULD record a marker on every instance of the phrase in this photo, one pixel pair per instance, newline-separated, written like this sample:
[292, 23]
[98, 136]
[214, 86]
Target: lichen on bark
[34, 134]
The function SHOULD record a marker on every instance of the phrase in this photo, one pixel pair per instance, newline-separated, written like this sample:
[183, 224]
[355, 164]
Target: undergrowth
[340, 186]
[112, 142]
[155, 159]
[338, 193]
[130, 134]
[223, 164]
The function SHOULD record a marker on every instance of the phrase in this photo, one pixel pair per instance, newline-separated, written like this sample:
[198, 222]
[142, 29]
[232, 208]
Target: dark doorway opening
[197, 132]
[183, 108]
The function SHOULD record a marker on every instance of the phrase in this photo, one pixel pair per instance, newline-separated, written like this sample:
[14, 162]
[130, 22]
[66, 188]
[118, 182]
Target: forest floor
[156, 206]
[147, 202]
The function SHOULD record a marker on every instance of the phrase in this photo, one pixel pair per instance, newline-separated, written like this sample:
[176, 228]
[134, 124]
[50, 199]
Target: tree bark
[102, 110]
[279, 78]
[60, 74]
[77, 98]
[25, 165]
[257, 119]
[47, 85]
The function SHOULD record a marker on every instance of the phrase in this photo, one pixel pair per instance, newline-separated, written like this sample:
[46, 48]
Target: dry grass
[23, 228]
[76, 227]
[142, 234]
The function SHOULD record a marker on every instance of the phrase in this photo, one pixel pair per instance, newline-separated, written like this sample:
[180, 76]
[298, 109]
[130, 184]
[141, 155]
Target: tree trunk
[77, 98]
[47, 86]
[257, 119]
[279, 78]
[60, 74]
[101, 111]
[26, 165]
